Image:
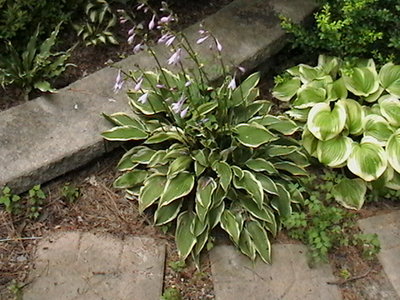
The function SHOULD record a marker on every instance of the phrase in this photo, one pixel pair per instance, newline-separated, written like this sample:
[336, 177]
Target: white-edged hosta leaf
[180, 164]
[130, 179]
[214, 215]
[290, 167]
[260, 240]
[284, 126]
[122, 119]
[205, 108]
[308, 96]
[279, 150]
[185, 239]
[238, 172]
[224, 173]
[299, 158]
[309, 142]
[328, 64]
[355, 116]
[282, 202]
[160, 136]
[253, 135]
[334, 152]
[260, 165]
[124, 133]
[246, 245]
[230, 225]
[362, 81]
[367, 160]
[308, 73]
[143, 155]
[153, 104]
[205, 189]
[337, 90]
[267, 183]
[158, 159]
[250, 183]
[253, 209]
[298, 114]
[389, 76]
[394, 182]
[325, 123]
[350, 192]
[390, 109]
[177, 187]
[151, 191]
[125, 163]
[285, 90]
[167, 213]
[393, 151]
[374, 96]
[377, 127]
[242, 92]
[198, 168]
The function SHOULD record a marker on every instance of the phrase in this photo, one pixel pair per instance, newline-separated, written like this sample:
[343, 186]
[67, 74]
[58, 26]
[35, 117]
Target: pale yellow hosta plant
[351, 117]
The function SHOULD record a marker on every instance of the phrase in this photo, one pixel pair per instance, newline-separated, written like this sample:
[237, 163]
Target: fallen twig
[340, 282]
[21, 239]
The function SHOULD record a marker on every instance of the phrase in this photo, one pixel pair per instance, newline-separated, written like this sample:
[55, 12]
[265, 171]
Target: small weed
[369, 243]
[171, 294]
[35, 201]
[70, 193]
[10, 201]
[177, 266]
[345, 274]
[16, 289]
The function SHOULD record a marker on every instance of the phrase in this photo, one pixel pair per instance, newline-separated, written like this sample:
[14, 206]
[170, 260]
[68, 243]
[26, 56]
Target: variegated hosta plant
[208, 157]
[351, 116]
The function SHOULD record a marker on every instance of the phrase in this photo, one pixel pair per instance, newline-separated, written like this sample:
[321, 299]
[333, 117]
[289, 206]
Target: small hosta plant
[351, 117]
[210, 156]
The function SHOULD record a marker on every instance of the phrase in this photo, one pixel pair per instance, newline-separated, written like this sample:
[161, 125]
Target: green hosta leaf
[185, 239]
[224, 173]
[260, 240]
[367, 160]
[162, 136]
[205, 189]
[230, 225]
[253, 209]
[154, 103]
[389, 76]
[180, 164]
[374, 96]
[167, 213]
[309, 142]
[362, 81]
[143, 155]
[122, 119]
[158, 159]
[298, 114]
[278, 150]
[151, 191]
[308, 73]
[261, 165]
[325, 123]
[177, 187]
[393, 151]
[243, 91]
[308, 96]
[44, 86]
[201, 156]
[334, 152]
[124, 133]
[238, 172]
[299, 158]
[337, 90]
[394, 182]
[350, 193]
[206, 108]
[355, 116]
[251, 185]
[328, 64]
[125, 162]
[282, 202]
[284, 126]
[130, 179]
[253, 135]
[291, 168]
[246, 245]
[390, 109]
[377, 127]
[267, 184]
[201, 211]
[214, 215]
[198, 168]
[286, 90]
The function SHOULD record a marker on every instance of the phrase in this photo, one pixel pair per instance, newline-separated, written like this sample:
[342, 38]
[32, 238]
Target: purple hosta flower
[122, 20]
[140, 6]
[152, 22]
[166, 20]
[219, 46]
[119, 82]
[202, 39]
[184, 112]
[143, 99]
[138, 84]
[131, 31]
[138, 48]
[160, 86]
[170, 41]
[232, 84]
[175, 58]
[164, 38]
[131, 38]
[241, 69]
[177, 106]
[187, 83]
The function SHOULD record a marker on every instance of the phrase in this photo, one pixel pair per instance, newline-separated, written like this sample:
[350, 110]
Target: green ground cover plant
[209, 155]
[351, 118]
[351, 28]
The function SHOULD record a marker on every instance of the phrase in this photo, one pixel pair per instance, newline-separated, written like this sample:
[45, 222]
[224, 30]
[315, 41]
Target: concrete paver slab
[288, 277]
[54, 134]
[387, 227]
[85, 266]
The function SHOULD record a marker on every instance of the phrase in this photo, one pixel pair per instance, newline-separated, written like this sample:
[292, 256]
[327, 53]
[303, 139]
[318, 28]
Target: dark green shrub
[352, 28]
